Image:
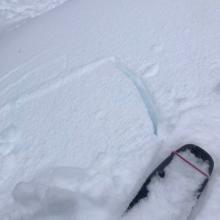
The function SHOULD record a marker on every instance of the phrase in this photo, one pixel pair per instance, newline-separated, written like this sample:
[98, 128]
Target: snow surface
[20, 9]
[91, 117]
[94, 94]
[15, 12]
[178, 189]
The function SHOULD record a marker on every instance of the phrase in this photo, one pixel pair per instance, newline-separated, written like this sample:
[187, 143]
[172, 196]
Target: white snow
[21, 9]
[14, 13]
[94, 94]
[93, 119]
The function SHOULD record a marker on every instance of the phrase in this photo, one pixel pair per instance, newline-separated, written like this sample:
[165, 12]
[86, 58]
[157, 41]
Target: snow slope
[125, 77]
[15, 12]
[21, 9]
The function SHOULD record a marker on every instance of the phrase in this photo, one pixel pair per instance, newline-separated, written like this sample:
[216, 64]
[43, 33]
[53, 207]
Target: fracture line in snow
[144, 93]
[58, 81]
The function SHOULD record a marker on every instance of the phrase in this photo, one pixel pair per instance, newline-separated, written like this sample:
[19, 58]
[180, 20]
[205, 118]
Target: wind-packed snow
[94, 94]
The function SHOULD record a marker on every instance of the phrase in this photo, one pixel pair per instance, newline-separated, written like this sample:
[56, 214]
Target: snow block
[94, 119]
